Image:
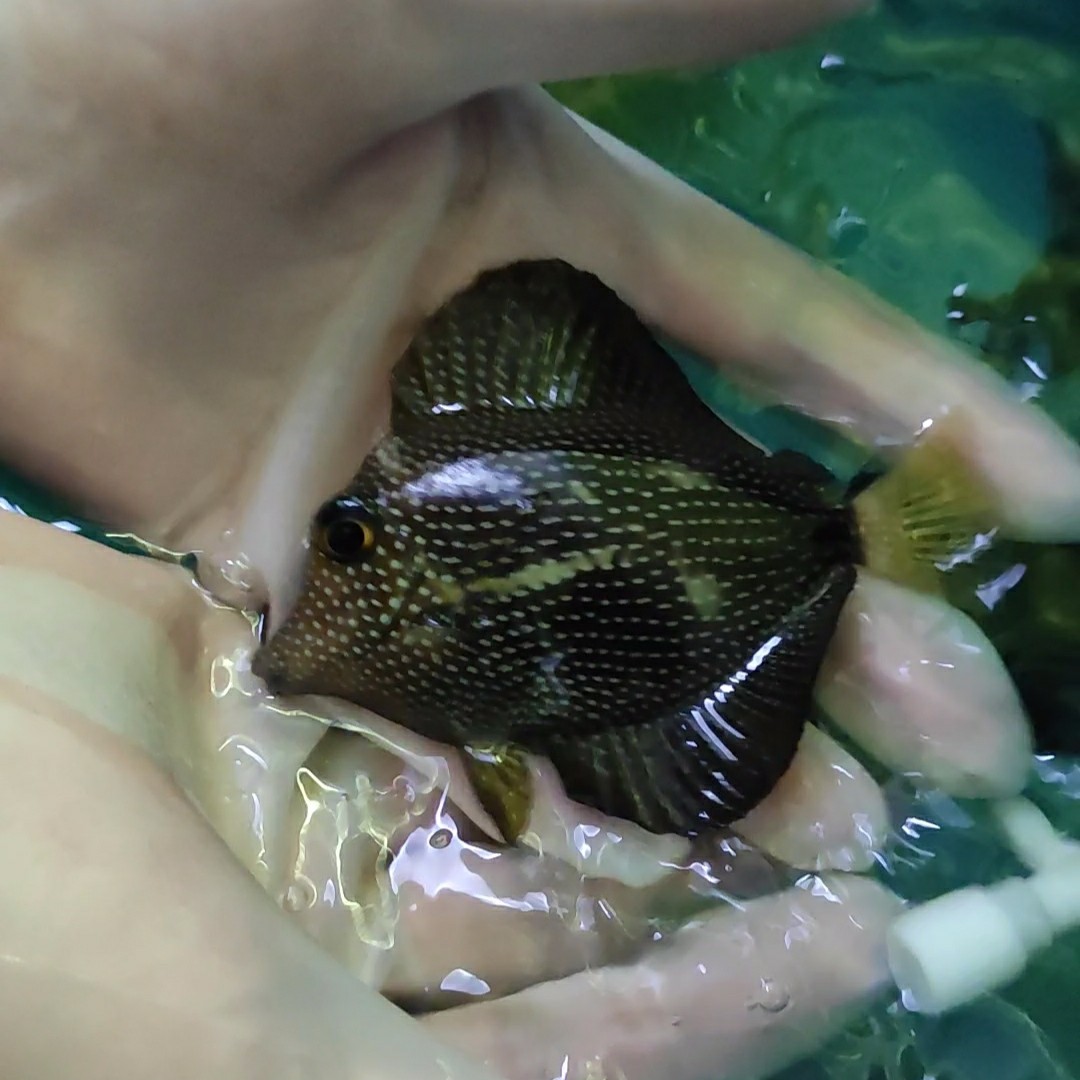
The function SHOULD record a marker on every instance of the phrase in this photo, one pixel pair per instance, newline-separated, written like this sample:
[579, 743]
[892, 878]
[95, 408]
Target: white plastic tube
[967, 943]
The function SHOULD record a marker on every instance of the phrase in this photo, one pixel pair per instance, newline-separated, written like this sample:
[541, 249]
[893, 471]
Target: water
[925, 150]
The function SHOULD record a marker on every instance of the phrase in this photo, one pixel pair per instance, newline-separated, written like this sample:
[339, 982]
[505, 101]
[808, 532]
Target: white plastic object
[1033, 839]
[960, 946]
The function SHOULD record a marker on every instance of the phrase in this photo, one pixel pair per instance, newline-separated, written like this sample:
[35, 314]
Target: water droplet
[772, 997]
[299, 896]
[232, 581]
[464, 982]
[440, 838]
[403, 787]
[221, 676]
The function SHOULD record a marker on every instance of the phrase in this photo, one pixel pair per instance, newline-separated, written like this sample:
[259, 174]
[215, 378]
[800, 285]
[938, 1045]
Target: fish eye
[345, 530]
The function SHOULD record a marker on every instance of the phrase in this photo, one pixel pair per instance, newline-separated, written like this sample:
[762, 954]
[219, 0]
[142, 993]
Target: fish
[558, 549]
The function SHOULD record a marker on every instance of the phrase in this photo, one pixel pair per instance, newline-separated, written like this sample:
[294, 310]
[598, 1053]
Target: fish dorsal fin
[539, 335]
[709, 763]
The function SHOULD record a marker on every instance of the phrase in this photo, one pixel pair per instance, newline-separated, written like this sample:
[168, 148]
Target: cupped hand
[134, 942]
[218, 228]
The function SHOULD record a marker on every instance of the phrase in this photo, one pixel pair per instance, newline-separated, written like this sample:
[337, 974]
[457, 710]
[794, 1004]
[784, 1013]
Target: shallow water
[910, 151]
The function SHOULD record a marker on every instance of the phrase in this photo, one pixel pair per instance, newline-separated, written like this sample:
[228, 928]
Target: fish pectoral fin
[502, 781]
[713, 760]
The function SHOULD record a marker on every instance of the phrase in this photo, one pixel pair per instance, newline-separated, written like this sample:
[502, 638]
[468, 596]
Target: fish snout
[269, 664]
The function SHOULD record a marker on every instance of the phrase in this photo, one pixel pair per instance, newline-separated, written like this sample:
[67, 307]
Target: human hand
[124, 914]
[291, 232]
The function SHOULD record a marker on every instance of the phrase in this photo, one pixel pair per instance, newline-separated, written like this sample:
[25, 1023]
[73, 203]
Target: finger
[156, 909]
[771, 317]
[384, 862]
[488, 44]
[742, 994]
[313, 85]
[826, 813]
[918, 684]
[243, 755]
[596, 845]
[397, 883]
[60, 1017]
[548, 921]
[350, 799]
[456, 898]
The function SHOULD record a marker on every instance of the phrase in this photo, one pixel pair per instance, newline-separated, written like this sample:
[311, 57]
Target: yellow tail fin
[927, 513]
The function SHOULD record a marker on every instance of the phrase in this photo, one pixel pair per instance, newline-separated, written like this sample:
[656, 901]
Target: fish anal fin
[928, 513]
[709, 763]
[501, 778]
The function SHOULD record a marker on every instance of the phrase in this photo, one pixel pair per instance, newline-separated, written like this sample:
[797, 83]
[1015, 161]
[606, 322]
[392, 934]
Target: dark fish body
[559, 549]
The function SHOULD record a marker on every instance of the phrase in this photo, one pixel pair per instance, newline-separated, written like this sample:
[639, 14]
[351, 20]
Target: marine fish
[559, 549]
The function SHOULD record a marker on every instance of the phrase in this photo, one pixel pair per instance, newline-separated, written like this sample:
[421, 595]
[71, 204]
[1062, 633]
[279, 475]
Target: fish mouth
[267, 665]
[271, 664]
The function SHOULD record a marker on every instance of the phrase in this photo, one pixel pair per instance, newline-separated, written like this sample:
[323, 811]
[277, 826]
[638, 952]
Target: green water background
[926, 150]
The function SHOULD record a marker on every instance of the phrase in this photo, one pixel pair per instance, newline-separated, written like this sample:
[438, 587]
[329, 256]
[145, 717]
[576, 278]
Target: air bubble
[772, 997]
[299, 896]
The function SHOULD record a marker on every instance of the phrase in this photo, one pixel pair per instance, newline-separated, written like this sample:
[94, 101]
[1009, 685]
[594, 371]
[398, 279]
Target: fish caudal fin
[927, 513]
[711, 762]
[501, 779]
